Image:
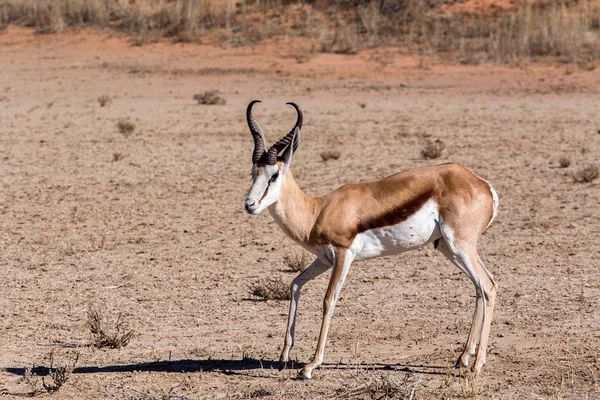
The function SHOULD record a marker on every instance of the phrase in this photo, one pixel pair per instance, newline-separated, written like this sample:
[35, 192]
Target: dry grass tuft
[126, 127]
[258, 393]
[586, 174]
[433, 149]
[271, 289]
[565, 30]
[210, 97]
[114, 338]
[390, 387]
[104, 100]
[330, 155]
[59, 376]
[297, 263]
[564, 162]
[463, 385]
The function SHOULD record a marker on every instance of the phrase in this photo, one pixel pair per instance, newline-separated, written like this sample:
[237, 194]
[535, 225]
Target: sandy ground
[152, 225]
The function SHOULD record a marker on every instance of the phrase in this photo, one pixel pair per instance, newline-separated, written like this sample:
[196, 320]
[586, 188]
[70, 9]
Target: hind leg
[485, 332]
[464, 256]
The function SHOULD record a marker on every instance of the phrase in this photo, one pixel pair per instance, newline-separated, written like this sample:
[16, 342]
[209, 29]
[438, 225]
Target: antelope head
[269, 166]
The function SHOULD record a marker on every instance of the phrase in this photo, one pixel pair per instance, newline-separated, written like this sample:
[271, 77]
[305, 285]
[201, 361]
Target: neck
[295, 212]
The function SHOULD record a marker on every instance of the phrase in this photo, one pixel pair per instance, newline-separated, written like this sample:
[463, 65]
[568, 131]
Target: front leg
[340, 270]
[315, 269]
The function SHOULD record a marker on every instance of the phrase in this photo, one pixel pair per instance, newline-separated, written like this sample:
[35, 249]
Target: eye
[274, 178]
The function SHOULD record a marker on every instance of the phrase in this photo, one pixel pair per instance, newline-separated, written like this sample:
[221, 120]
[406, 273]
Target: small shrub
[271, 289]
[126, 127]
[32, 380]
[115, 338]
[433, 149]
[297, 263]
[259, 393]
[104, 100]
[586, 174]
[330, 155]
[385, 387]
[564, 162]
[210, 97]
[59, 375]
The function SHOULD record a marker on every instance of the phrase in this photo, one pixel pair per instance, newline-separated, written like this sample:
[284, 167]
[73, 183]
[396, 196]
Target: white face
[266, 184]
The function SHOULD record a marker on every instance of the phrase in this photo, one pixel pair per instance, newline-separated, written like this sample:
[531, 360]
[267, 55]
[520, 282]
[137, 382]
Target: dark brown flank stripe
[397, 215]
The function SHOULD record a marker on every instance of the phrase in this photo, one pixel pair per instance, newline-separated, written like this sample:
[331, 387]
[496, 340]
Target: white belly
[416, 231]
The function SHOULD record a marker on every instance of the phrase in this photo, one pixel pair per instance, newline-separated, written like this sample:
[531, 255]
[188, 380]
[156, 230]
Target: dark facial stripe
[264, 194]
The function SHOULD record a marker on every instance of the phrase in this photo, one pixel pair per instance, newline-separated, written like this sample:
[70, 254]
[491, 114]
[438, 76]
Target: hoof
[282, 365]
[304, 375]
[463, 361]
[476, 369]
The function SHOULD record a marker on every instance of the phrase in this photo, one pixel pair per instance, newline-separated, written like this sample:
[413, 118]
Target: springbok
[444, 204]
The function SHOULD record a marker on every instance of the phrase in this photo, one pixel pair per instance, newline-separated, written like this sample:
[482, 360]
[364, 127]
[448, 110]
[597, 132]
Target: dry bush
[271, 289]
[463, 385]
[102, 336]
[405, 387]
[433, 149]
[53, 16]
[297, 263]
[586, 174]
[566, 30]
[564, 162]
[59, 375]
[330, 155]
[210, 97]
[104, 100]
[258, 393]
[117, 157]
[126, 127]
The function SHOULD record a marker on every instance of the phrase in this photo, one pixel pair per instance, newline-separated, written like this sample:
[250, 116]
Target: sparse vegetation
[586, 174]
[297, 263]
[271, 289]
[330, 155]
[403, 387]
[463, 385]
[258, 393]
[59, 375]
[102, 336]
[104, 100]
[564, 162]
[567, 31]
[126, 127]
[433, 149]
[210, 97]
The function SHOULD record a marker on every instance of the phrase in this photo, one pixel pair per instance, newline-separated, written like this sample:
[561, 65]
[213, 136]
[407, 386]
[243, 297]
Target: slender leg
[490, 293]
[465, 257]
[315, 269]
[476, 323]
[343, 260]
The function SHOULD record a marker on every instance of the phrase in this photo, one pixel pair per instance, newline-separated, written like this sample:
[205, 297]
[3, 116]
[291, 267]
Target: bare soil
[151, 224]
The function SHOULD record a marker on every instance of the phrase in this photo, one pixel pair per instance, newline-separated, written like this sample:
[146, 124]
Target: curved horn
[282, 143]
[257, 133]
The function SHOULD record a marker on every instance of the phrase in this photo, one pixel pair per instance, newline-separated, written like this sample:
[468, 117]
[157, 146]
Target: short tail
[496, 202]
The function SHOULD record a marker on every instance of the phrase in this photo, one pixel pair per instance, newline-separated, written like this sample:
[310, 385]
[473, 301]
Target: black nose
[248, 204]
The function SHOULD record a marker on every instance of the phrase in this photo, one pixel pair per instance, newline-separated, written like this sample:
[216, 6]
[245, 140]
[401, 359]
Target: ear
[288, 153]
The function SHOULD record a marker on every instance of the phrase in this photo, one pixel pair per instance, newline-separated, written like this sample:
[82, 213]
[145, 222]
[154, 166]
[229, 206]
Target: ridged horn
[271, 158]
[257, 133]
